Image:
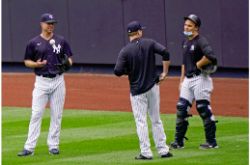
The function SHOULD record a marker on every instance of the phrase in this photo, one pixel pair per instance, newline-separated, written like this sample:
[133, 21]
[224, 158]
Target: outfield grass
[106, 138]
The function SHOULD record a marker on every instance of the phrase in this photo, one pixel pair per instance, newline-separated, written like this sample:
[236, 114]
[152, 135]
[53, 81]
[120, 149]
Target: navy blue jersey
[137, 60]
[39, 48]
[193, 51]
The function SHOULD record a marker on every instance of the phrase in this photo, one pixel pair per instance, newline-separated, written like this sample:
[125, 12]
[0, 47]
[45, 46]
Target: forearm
[182, 73]
[30, 64]
[33, 64]
[70, 61]
[203, 61]
[165, 65]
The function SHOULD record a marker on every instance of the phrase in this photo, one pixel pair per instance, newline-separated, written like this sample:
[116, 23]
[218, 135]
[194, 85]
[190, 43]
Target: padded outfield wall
[96, 28]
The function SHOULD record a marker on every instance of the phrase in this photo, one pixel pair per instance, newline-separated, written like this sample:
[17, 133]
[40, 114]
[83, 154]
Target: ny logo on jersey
[56, 49]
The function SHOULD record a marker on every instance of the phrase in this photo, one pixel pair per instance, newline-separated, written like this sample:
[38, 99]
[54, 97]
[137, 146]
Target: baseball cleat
[54, 151]
[25, 152]
[175, 145]
[168, 155]
[208, 146]
[141, 157]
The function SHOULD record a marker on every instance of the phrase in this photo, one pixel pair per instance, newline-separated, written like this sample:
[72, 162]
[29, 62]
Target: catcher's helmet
[194, 18]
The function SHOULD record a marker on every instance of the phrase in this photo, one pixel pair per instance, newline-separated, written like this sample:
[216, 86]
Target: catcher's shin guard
[210, 129]
[183, 107]
[180, 131]
[203, 107]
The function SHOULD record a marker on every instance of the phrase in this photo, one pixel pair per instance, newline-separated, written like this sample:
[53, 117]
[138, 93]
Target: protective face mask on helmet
[187, 34]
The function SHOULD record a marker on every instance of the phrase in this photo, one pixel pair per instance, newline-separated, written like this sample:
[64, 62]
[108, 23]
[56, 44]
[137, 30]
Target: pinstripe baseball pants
[52, 90]
[142, 104]
[198, 88]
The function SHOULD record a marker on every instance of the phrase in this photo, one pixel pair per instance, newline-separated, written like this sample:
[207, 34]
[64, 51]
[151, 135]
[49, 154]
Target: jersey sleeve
[161, 50]
[207, 49]
[66, 49]
[29, 52]
[121, 64]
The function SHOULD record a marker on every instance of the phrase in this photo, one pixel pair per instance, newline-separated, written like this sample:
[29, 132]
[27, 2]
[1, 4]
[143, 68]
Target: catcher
[196, 84]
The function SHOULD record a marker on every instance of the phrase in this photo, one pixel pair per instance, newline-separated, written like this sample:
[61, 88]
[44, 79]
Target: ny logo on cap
[51, 16]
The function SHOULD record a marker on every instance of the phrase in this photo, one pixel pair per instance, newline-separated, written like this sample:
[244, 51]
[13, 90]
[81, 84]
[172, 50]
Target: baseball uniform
[137, 60]
[49, 84]
[195, 86]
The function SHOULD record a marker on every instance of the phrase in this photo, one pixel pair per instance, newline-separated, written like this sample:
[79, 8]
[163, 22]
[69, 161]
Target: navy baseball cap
[134, 26]
[194, 18]
[48, 18]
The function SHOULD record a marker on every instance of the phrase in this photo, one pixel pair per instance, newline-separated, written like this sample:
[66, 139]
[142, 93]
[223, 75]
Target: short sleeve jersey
[193, 51]
[39, 48]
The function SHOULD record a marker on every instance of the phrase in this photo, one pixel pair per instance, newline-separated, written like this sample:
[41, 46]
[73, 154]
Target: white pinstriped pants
[198, 88]
[142, 104]
[52, 90]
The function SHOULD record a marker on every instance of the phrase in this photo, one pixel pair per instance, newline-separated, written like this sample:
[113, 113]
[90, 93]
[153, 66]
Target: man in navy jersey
[137, 60]
[195, 85]
[43, 55]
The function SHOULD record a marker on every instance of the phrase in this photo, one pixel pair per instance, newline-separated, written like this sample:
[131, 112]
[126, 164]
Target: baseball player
[42, 54]
[137, 60]
[195, 84]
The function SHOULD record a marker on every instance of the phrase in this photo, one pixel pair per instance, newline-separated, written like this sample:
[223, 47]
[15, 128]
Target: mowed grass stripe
[98, 137]
[11, 131]
[74, 134]
[75, 119]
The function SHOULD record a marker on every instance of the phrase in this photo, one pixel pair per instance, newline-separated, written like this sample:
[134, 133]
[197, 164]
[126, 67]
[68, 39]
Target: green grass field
[106, 138]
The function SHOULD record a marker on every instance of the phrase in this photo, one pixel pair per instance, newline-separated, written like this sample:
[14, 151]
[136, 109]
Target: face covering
[187, 34]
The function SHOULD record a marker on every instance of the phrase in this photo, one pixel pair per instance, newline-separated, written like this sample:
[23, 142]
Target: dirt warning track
[107, 92]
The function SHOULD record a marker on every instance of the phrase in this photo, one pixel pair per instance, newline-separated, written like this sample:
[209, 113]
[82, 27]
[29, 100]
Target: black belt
[193, 75]
[49, 75]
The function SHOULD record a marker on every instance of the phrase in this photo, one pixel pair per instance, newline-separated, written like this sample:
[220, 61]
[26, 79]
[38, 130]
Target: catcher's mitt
[64, 64]
[209, 68]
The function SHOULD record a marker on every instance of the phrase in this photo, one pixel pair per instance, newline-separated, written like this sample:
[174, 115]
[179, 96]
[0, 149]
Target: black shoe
[141, 157]
[175, 145]
[168, 155]
[25, 152]
[54, 151]
[208, 146]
